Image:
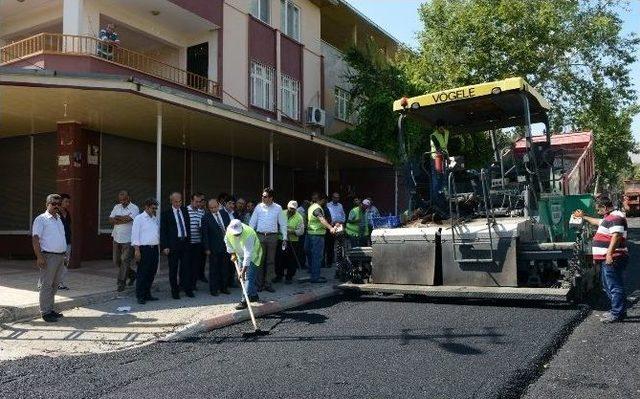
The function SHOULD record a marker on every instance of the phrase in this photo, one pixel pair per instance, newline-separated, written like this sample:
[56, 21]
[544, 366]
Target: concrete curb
[10, 314]
[227, 319]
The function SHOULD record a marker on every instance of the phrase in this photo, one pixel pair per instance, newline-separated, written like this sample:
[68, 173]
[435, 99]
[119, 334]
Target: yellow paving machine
[501, 231]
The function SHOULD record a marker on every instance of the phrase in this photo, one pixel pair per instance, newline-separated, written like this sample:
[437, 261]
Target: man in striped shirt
[196, 250]
[610, 252]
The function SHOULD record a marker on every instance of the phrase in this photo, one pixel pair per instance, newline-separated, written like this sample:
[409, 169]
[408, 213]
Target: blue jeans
[437, 186]
[250, 282]
[316, 254]
[613, 284]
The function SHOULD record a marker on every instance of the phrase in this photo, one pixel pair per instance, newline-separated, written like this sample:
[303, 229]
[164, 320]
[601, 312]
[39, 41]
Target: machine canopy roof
[477, 108]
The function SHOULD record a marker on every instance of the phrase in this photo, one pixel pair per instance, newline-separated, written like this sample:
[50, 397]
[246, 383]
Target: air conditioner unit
[315, 116]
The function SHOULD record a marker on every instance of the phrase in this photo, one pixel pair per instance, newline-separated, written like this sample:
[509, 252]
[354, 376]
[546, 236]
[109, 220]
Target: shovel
[256, 331]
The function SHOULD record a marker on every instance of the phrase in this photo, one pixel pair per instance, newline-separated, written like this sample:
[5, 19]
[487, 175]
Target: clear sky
[400, 18]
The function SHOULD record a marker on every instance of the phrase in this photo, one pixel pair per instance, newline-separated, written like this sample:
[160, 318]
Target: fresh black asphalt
[599, 360]
[373, 347]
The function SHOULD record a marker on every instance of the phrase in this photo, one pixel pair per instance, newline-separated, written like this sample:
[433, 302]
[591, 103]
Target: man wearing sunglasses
[268, 220]
[50, 247]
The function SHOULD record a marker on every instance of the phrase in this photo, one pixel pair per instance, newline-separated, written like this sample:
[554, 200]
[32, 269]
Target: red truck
[632, 197]
[578, 159]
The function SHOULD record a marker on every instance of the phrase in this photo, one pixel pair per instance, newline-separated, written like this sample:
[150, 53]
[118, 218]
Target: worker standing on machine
[439, 153]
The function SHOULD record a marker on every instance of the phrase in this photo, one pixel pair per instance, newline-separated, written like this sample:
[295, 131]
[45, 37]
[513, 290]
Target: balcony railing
[55, 43]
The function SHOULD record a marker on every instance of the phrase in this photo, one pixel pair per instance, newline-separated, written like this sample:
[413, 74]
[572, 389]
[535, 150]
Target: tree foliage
[572, 51]
[375, 83]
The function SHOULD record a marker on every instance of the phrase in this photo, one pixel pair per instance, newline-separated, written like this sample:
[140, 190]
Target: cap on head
[292, 205]
[235, 227]
[366, 202]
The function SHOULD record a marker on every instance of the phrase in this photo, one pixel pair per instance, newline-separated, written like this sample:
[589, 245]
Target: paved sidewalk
[95, 281]
[100, 327]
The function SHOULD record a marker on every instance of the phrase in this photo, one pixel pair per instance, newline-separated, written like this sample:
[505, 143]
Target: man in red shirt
[610, 252]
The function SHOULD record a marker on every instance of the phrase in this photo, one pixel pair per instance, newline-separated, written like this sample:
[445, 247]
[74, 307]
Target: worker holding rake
[246, 252]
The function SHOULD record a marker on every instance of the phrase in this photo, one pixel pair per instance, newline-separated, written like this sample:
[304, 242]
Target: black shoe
[151, 298]
[49, 318]
[121, 286]
[269, 289]
[175, 295]
[225, 291]
[203, 279]
[277, 280]
[254, 298]
[214, 293]
[288, 281]
[240, 306]
[189, 293]
[142, 301]
[56, 314]
[318, 281]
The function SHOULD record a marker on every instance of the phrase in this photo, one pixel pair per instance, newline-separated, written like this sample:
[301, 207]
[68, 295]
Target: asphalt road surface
[380, 347]
[373, 347]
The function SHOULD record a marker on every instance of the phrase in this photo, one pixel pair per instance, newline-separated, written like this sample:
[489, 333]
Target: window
[342, 104]
[262, 86]
[260, 9]
[290, 97]
[290, 19]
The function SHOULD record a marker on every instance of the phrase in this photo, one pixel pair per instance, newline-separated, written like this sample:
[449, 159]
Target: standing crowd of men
[263, 243]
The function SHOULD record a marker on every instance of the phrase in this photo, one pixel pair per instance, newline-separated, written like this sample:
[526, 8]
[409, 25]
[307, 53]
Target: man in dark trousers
[213, 231]
[175, 236]
[145, 237]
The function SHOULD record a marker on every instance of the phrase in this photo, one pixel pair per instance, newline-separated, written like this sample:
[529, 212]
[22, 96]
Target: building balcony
[70, 53]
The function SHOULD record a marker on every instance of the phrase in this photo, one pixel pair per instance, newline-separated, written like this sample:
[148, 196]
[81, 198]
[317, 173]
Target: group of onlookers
[264, 243]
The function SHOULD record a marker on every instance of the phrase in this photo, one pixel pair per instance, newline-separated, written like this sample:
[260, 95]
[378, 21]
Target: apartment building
[195, 95]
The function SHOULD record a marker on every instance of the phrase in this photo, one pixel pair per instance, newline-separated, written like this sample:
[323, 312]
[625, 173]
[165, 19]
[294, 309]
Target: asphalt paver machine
[504, 231]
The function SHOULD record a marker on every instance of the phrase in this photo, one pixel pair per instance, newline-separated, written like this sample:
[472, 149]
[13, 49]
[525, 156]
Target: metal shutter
[45, 149]
[172, 174]
[283, 183]
[248, 179]
[211, 173]
[126, 165]
[15, 153]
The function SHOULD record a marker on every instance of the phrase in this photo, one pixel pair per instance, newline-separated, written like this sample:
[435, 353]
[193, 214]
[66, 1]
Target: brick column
[77, 175]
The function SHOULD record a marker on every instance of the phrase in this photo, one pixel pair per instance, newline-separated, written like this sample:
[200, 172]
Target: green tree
[573, 51]
[375, 83]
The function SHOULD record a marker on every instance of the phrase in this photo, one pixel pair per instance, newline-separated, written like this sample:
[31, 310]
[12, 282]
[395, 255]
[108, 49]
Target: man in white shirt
[174, 240]
[145, 238]
[50, 247]
[213, 231]
[336, 212]
[268, 220]
[121, 218]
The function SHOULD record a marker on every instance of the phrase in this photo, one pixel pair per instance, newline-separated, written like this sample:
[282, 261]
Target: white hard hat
[235, 227]
[366, 202]
[292, 205]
